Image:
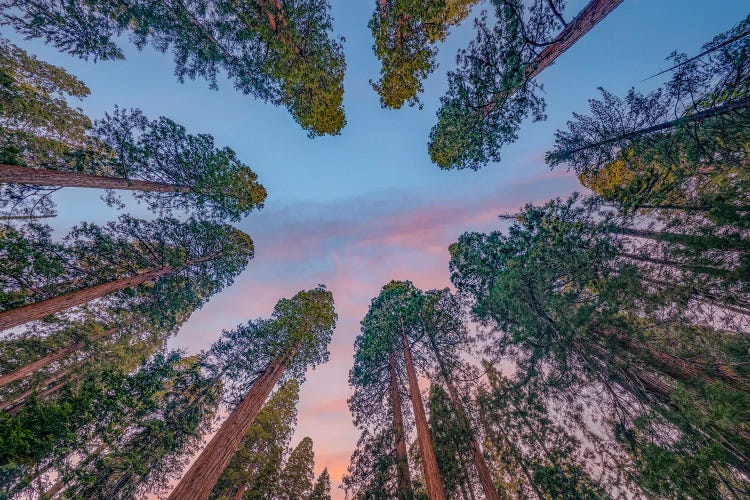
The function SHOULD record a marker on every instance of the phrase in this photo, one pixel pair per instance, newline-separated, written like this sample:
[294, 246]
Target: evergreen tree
[372, 472]
[574, 313]
[493, 90]
[251, 360]
[322, 488]
[47, 145]
[101, 261]
[406, 33]
[281, 52]
[255, 470]
[297, 476]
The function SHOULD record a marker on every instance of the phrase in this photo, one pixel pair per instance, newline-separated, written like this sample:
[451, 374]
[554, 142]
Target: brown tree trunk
[404, 476]
[586, 19]
[483, 471]
[432, 477]
[41, 309]
[45, 361]
[241, 491]
[52, 384]
[13, 174]
[201, 478]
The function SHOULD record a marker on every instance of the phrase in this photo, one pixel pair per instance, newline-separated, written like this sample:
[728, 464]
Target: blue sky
[359, 209]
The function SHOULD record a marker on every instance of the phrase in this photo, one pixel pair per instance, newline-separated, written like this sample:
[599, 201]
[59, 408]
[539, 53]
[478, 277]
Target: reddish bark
[590, 16]
[41, 309]
[13, 174]
[432, 477]
[28, 369]
[404, 476]
[201, 478]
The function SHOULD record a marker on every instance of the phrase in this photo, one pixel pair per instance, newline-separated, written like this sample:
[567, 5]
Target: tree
[153, 449]
[132, 252]
[375, 377]
[322, 488]
[392, 313]
[574, 313]
[279, 52]
[406, 33]
[297, 476]
[493, 91]
[255, 469]
[704, 87]
[373, 468]
[252, 359]
[47, 145]
[541, 453]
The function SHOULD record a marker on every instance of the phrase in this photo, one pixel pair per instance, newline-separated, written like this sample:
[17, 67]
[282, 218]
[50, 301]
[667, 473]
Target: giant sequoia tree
[282, 52]
[255, 469]
[575, 309]
[406, 33]
[100, 261]
[493, 89]
[251, 359]
[46, 145]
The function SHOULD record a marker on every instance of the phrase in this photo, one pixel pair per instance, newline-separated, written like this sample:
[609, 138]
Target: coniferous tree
[282, 52]
[255, 470]
[297, 477]
[493, 89]
[251, 360]
[574, 312]
[322, 488]
[373, 469]
[47, 145]
[101, 261]
[406, 33]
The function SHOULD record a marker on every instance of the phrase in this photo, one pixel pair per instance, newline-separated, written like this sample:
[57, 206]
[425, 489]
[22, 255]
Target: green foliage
[296, 479]
[405, 34]
[298, 333]
[371, 474]
[282, 53]
[256, 467]
[490, 94]
[322, 488]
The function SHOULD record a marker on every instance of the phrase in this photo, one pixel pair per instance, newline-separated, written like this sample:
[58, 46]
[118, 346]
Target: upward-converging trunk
[40, 363]
[432, 477]
[589, 17]
[38, 310]
[201, 478]
[404, 477]
[45, 177]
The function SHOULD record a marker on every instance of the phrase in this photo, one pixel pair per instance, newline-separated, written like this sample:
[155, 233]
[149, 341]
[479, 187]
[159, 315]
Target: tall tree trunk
[483, 471]
[201, 478]
[25, 217]
[695, 117]
[586, 19]
[52, 385]
[432, 477]
[13, 174]
[41, 309]
[241, 491]
[404, 476]
[51, 358]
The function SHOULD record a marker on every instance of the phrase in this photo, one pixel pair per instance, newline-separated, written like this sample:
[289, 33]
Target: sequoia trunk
[45, 177]
[432, 477]
[38, 310]
[45, 361]
[404, 476]
[201, 478]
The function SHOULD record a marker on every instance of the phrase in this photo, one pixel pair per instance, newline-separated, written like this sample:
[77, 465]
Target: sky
[357, 210]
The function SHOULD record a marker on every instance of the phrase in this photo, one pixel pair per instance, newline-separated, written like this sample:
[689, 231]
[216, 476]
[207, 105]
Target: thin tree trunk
[15, 404]
[483, 471]
[28, 369]
[41, 309]
[404, 476]
[586, 19]
[432, 477]
[25, 217]
[241, 491]
[201, 478]
[695, 117]
[13, 174]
